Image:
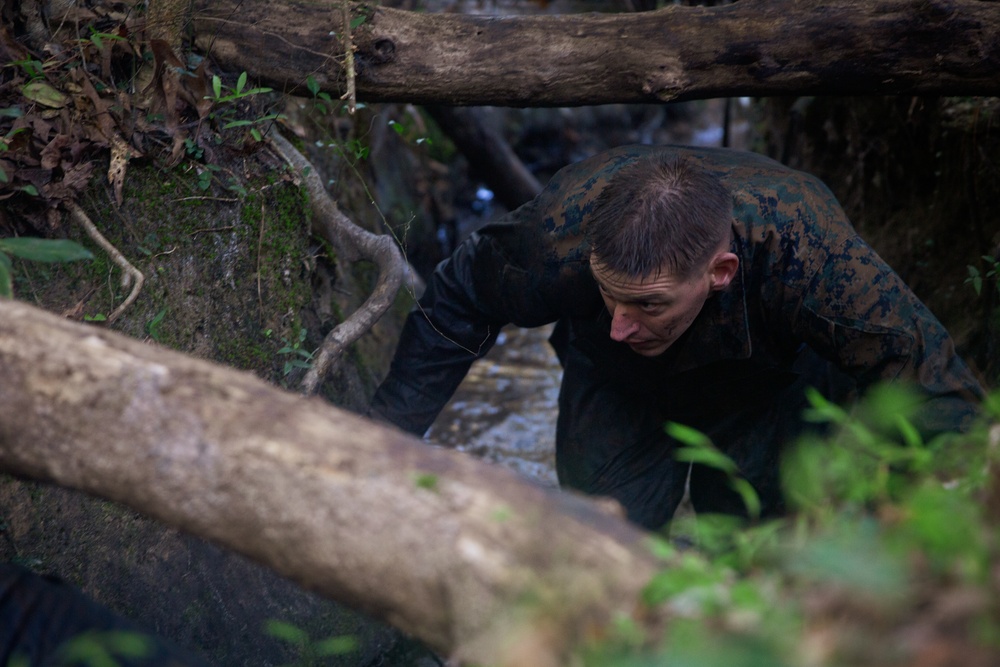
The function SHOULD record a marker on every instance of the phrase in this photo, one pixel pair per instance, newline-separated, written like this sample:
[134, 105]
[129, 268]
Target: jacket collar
[721, 332]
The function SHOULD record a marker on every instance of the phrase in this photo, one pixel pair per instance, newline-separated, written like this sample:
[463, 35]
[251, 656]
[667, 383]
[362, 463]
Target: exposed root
[131, 274]
[331, 224]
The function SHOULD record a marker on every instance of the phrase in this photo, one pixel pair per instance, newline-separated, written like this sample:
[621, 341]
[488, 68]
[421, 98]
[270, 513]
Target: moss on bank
[232, 275]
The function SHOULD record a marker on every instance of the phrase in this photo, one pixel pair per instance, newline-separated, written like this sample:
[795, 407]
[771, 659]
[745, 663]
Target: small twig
[260, 246]
[130, 272]
[77, 310]
[212, 229]
[165, 252]
[225, 199]
[341, 232]
[351, 94]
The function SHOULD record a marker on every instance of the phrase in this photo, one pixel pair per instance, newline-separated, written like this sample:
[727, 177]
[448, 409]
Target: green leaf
[749, 495]
[662, 548]
[31, 190]
[427, 481]
[45, 250]
[217, 86]
[11, 112]
[286, 632]
[44, 94]
[154, 325]
[335, 646]
[706, 457]
[312, 85]
[687, 435]
[6, 284]
[357, 21]
[129, 644]
[822, 409]
[911, 436]
[241, 82]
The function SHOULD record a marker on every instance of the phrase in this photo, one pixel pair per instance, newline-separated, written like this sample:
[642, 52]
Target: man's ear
[722, 269]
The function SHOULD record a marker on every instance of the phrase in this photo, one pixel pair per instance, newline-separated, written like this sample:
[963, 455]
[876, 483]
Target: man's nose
[622, 326]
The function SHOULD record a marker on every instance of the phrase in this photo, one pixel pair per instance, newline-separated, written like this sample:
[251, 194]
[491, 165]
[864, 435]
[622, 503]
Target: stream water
[505, 409]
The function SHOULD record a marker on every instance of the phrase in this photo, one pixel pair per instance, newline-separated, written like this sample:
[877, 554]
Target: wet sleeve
[857, 312]
[485, 284]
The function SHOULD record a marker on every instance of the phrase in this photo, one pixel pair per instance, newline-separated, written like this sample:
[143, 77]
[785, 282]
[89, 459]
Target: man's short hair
[659, 212]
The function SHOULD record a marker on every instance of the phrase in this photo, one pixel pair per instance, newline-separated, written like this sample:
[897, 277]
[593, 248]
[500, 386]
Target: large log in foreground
[748, 48]
[463, 555]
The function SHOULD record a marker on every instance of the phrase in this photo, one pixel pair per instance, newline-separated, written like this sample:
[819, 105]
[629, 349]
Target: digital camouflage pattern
[812, 304]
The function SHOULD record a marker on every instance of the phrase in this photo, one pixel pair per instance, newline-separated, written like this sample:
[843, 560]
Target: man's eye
[648, 307]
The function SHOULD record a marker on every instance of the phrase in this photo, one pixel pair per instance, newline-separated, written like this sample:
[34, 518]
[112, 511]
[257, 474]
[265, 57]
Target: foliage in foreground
[889, 558]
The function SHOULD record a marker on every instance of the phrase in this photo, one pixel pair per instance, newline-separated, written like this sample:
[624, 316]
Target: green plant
[97, 649]
[193, 149]
[222, 97]
[697, 448]
[321, 99]
[300, 358]
[97, 38]
[153, 327]
[883, 521]
[32, 68]
[408, 132]
[205, 176]
[239, 92]
[310, 651]
[36, 250]
[976, 275]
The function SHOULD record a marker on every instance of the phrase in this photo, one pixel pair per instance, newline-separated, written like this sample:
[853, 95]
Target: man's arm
[448, 329]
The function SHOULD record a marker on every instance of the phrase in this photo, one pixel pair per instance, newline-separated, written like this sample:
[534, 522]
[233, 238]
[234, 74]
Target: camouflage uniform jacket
[806, 279]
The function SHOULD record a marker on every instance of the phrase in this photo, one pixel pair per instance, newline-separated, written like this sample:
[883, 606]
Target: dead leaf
[78, 176]
[41, 92]
[121, 152]
[105, 123]
[52, 152]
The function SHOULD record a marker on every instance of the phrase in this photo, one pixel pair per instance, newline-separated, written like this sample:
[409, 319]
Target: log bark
[443, 546]
[749, 48]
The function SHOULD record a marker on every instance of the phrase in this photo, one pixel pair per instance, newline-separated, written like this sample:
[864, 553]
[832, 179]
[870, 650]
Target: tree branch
[466, 556]
[338, 230]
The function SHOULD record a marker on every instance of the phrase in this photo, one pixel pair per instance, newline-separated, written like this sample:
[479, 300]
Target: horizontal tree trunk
[463, 555]
[749, 48]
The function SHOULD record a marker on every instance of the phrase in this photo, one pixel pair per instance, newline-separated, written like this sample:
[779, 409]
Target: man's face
[650, 314]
